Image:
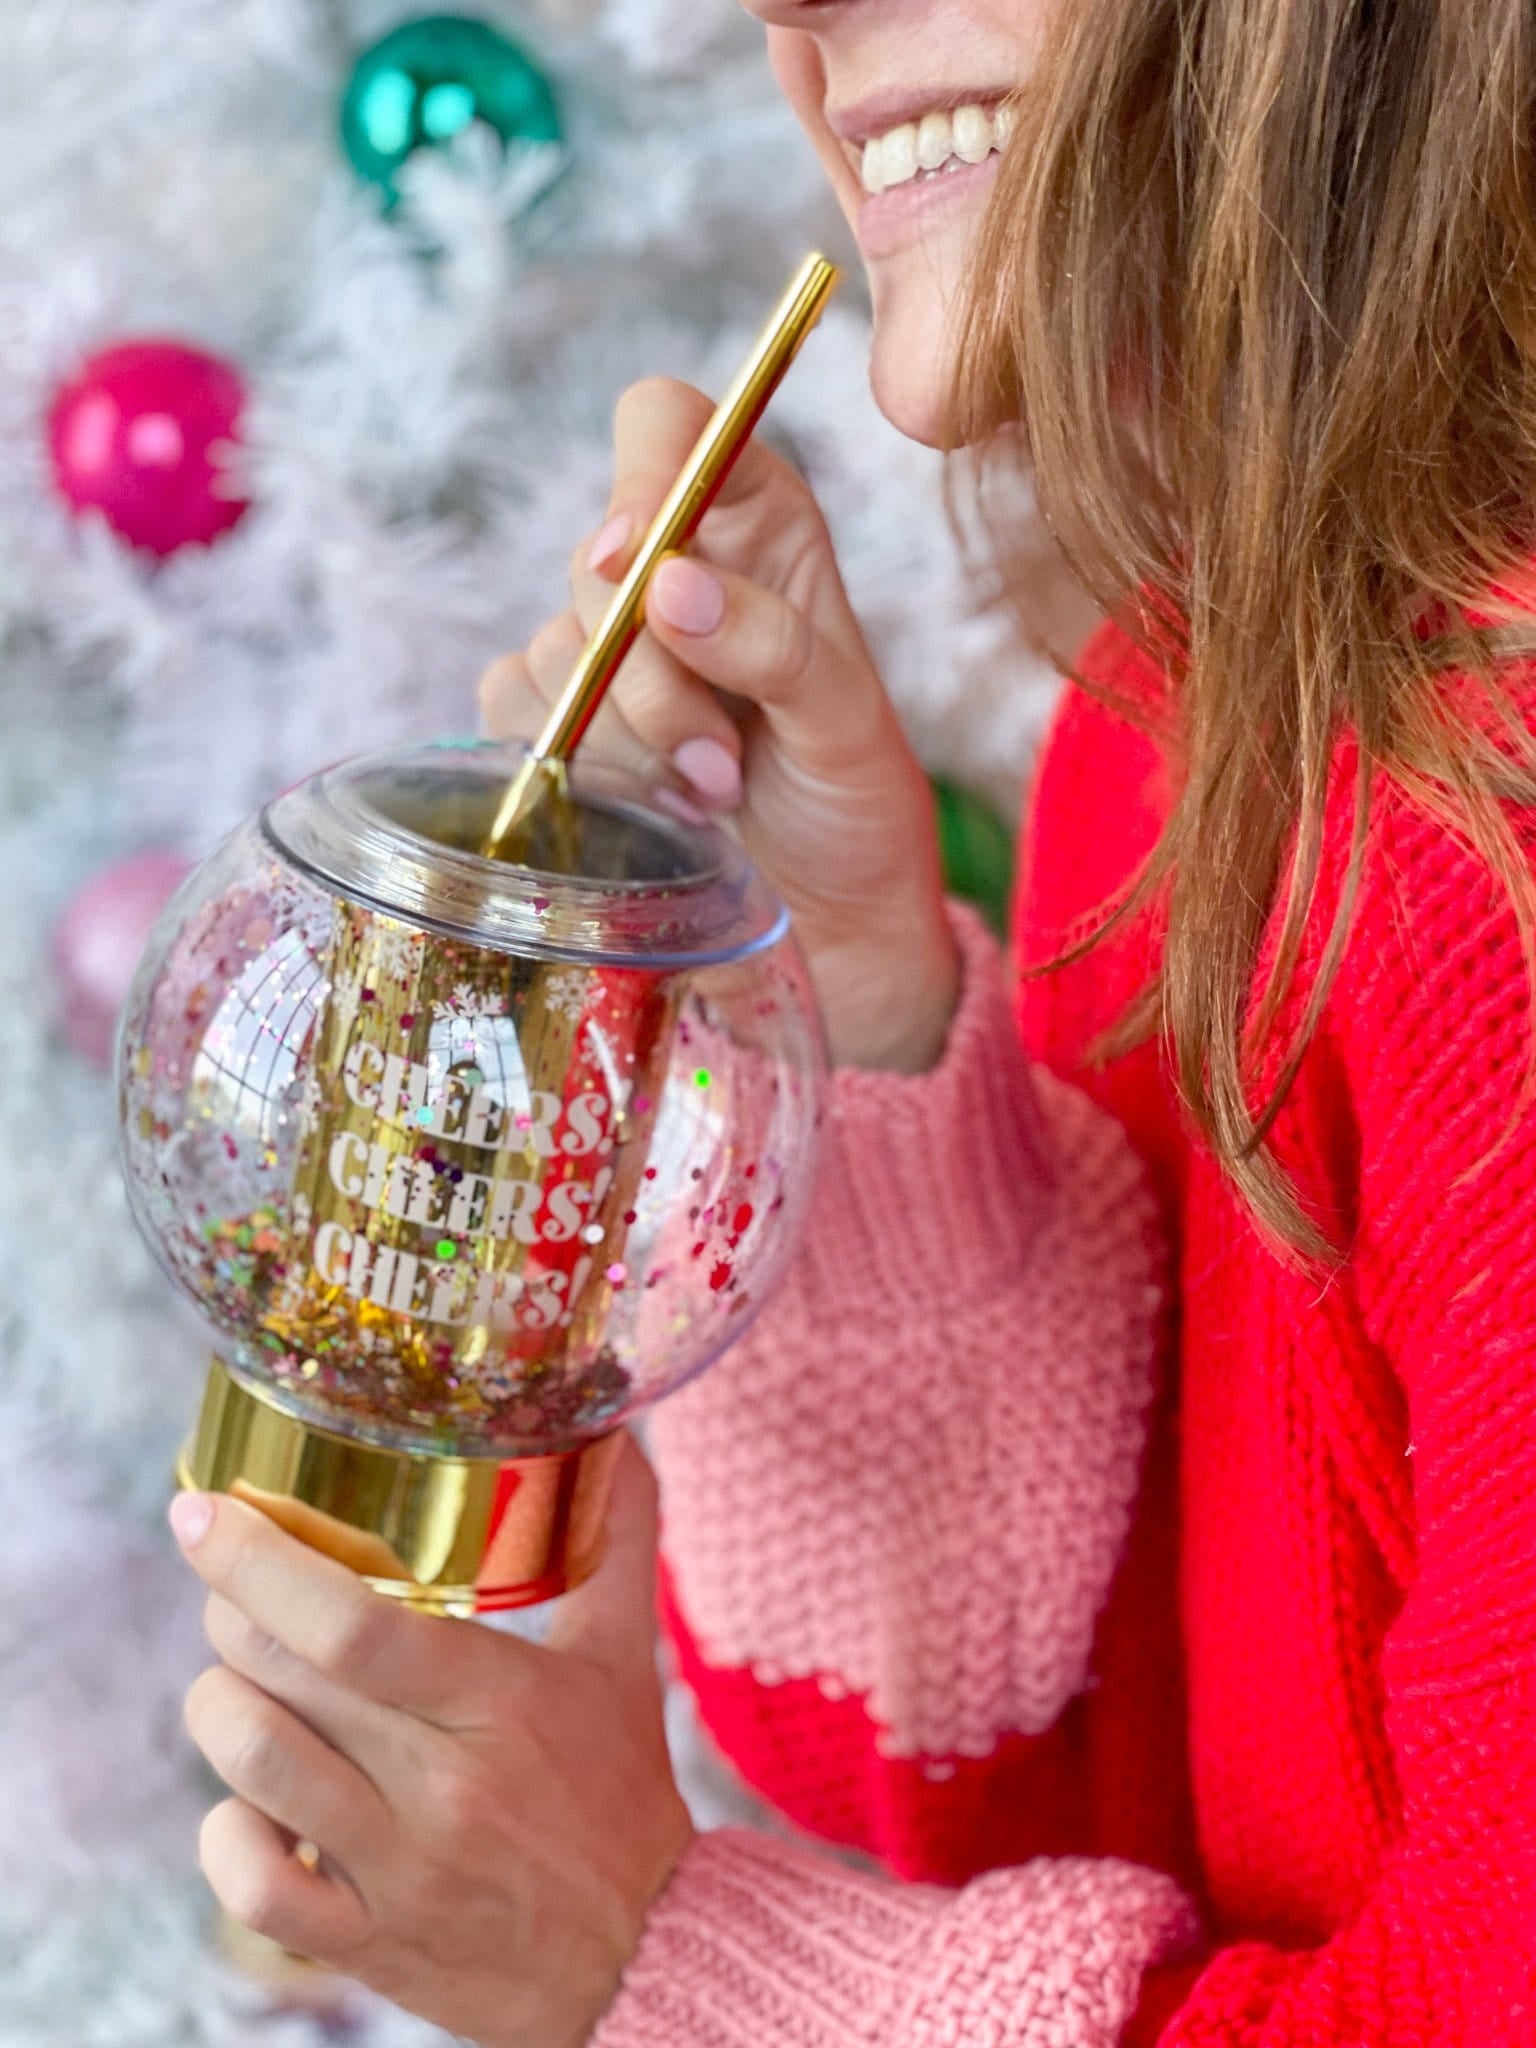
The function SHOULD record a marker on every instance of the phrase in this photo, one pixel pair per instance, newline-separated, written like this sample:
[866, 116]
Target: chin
[918, 302]
[913, 398]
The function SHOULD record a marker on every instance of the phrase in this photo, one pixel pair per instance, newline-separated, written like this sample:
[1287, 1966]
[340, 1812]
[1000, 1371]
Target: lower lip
[891, 221]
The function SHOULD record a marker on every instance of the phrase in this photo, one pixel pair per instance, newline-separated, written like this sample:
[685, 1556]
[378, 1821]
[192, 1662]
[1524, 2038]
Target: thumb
[612, 1618]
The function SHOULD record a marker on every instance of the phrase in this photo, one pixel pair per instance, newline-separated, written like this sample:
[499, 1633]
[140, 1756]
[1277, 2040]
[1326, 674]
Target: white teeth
[900, 148]
[973, 135]
[935, 141]
[969, 135]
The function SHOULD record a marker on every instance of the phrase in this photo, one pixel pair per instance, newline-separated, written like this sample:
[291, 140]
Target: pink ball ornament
[141, 434]
[98, 941]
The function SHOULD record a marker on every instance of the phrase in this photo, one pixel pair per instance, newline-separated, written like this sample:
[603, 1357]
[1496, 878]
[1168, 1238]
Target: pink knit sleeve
[908, 1488]
[891, 1518]
[757, 1942]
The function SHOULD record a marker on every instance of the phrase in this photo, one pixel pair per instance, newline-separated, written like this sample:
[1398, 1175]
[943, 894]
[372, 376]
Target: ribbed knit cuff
[939, 1177]
[760, 1943]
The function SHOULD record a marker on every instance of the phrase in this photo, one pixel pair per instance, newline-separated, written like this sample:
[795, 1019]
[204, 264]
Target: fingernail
[687, 596]
[713, 771]
[191, 1514]
[610, 541]
[678, 806]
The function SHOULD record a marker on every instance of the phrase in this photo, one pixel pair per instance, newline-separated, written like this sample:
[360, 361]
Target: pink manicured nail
[687, 597]
[609, 542]
[713, 770]
[673, 801]
[191, 1515]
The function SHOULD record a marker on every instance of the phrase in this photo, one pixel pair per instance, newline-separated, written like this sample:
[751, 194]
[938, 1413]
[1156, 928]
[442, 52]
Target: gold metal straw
[675, 524]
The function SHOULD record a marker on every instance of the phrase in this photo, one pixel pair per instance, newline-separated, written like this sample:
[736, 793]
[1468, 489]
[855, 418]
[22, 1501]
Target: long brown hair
[1259, 279]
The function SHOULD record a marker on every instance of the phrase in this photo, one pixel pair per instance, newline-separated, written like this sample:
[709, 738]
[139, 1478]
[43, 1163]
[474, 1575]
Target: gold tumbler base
[450, 1535]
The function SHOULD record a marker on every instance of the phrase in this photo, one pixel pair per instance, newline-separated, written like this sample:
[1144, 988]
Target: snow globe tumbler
[465, 1162]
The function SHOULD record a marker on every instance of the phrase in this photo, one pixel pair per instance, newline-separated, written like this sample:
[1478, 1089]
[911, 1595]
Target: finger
[655, 712]
[612, 1618]
[517, 692]
[358, 1727]
[764, 522]
[662, 702]
[670, 715]
[511, 705]
[275, 1762]
[749, 641]
[552, 654]
[655, 426]
[318, 1609]
[603, 552]
[258, 1881]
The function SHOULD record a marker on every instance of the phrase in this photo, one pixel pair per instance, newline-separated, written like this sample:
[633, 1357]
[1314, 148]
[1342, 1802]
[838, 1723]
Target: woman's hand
[754, 682]
[494, 1818]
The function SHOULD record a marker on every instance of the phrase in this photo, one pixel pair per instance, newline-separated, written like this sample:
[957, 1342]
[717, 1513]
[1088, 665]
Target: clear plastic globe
[464, 1157]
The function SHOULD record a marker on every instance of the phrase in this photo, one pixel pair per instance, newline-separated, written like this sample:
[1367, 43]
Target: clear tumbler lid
[643, 885]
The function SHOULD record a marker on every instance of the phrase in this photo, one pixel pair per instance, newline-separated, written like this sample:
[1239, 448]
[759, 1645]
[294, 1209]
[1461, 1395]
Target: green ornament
[427, 81]
[978, 851]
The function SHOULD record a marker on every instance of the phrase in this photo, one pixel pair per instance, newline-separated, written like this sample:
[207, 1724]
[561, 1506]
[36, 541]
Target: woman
[1175, 1616]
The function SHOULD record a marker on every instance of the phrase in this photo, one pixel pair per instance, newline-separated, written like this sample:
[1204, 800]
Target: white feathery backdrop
[426, 438]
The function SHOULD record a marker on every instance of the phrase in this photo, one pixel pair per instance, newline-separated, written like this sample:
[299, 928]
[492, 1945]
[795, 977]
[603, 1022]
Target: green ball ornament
[978, 851]
[427, 81]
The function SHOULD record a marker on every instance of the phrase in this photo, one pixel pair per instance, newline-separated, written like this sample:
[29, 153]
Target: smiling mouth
[941, 143]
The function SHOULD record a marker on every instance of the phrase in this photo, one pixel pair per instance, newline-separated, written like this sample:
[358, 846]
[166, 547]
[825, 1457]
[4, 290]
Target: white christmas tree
[424, 438]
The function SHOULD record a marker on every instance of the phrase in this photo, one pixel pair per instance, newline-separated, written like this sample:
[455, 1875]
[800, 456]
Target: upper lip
[882, 111]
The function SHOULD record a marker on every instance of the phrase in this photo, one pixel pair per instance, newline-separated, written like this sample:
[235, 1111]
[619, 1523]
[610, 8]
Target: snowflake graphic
[398, 949]
[346, 1000]
[471, 1003]
[311, 1099]
[566, 995]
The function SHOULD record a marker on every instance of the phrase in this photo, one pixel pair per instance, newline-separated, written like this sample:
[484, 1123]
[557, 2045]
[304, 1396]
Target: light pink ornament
[143, 435]
[97, 943]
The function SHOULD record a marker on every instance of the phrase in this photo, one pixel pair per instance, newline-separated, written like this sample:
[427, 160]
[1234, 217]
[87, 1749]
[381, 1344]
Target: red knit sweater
[954, 1589]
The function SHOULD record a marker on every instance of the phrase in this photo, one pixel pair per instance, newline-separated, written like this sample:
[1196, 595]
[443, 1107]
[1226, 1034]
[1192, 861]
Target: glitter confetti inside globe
[428, 81]
[465, 1163]
[144, 434]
